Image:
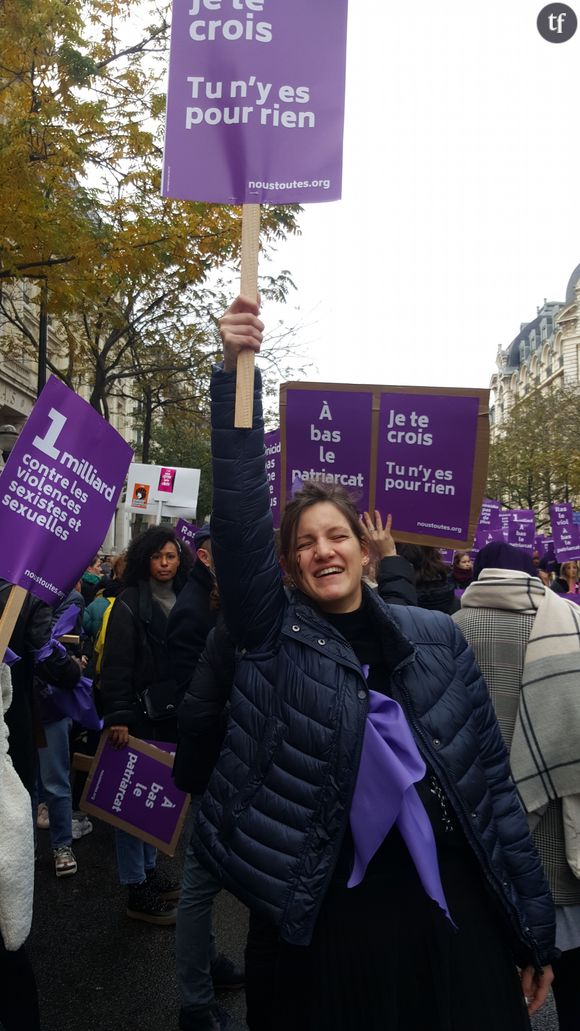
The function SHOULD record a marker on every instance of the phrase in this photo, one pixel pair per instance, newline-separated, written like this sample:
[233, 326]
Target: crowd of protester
[393, 793]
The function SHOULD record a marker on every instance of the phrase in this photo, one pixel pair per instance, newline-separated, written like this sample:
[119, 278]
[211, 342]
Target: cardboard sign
[132, 788]
[163, 490]
[419, 453]
[58, 493]
[255, 101]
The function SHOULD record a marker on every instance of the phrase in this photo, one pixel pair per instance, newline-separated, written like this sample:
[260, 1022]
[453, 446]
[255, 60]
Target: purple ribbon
[63, 625]
[10, 657]
[78, 702]
[385, 794]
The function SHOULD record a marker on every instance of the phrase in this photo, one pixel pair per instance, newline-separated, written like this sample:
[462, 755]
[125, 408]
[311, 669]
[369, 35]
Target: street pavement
[99, 971]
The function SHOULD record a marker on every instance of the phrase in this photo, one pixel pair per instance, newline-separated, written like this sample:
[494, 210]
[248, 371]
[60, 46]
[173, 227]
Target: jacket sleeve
[521, 860]
[396, 581]
[201, 715]
[250, 584]
[120, 658]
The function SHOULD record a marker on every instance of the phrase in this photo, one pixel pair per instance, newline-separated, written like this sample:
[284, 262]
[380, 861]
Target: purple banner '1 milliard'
[425, 466]
[255, 101]
[273, 471]
[328, 438]
[137, 788]
[58, 493]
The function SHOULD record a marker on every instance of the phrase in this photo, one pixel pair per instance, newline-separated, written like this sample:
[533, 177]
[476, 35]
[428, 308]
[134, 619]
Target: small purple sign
[425, 462]
[186, 532]
[561, 514]
[255, 101]
[447, 555]
[565, 532]
[132, 788]
[328, 438]
[273, 454]
[58, 493]
[521, 535]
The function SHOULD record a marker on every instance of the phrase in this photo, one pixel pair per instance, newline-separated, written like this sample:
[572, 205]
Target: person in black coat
[200, 967]
[434, 591]
[194, 613]
[31, 633]
[137, 686]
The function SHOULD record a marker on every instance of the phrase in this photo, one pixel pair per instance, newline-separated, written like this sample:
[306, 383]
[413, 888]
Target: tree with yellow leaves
[81, 109]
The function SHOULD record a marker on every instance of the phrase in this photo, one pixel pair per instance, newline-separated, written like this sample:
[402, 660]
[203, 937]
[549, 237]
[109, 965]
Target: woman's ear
[365, 555]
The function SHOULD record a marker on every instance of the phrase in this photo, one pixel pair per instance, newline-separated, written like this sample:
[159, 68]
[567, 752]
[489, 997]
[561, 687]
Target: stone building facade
[544, 354]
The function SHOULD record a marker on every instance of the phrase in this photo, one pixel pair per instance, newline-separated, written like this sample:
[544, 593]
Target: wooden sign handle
[248, 288]
[8, 619]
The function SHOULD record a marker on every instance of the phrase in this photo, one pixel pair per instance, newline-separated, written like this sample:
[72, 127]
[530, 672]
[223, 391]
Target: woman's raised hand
[379, 536]
[240, 328]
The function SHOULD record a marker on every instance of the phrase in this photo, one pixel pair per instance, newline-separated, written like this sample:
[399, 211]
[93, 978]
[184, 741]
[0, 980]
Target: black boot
[144, 904]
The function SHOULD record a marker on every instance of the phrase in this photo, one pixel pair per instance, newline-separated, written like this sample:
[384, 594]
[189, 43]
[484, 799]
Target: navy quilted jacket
[273, 819]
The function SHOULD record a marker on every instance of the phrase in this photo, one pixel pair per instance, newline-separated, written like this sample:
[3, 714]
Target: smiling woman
[362, 804]
[325, 547]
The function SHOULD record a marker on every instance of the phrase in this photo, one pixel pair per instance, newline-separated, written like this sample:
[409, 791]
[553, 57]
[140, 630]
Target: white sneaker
[81, 825]
[65, 863]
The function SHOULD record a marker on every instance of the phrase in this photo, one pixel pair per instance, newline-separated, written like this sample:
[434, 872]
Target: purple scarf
[385, 794]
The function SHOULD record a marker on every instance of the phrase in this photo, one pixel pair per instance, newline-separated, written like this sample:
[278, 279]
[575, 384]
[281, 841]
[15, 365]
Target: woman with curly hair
[138, 693]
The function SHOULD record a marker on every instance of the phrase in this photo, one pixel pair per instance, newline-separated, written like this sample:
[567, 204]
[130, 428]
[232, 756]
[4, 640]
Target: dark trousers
[566, 989]
[18, 995]
[261, 969]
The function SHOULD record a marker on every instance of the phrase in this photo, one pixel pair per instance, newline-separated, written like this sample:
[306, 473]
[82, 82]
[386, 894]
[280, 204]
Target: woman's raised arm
[251, 592]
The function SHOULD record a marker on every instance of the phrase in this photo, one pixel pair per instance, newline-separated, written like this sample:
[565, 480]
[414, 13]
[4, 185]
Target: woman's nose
[322, 548]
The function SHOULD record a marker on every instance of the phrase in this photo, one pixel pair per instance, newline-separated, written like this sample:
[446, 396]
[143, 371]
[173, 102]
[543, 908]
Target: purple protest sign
[561, 514]
[273, 469]
[327, 437]
[521, 535]
[186, 532]
[425, 462]
[132, 788]
[255, 101]
[565, 532]
[489, 527]
[58, 493]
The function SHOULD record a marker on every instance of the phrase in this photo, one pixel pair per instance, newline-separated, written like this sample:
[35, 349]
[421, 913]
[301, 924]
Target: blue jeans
[134, 857]
[195, 948]
[54, 765]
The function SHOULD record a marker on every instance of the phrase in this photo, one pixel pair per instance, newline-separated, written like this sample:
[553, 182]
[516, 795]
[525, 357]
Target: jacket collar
[304, 619]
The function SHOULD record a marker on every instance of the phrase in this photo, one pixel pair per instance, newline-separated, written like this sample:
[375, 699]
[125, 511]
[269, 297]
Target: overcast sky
[461, 194]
